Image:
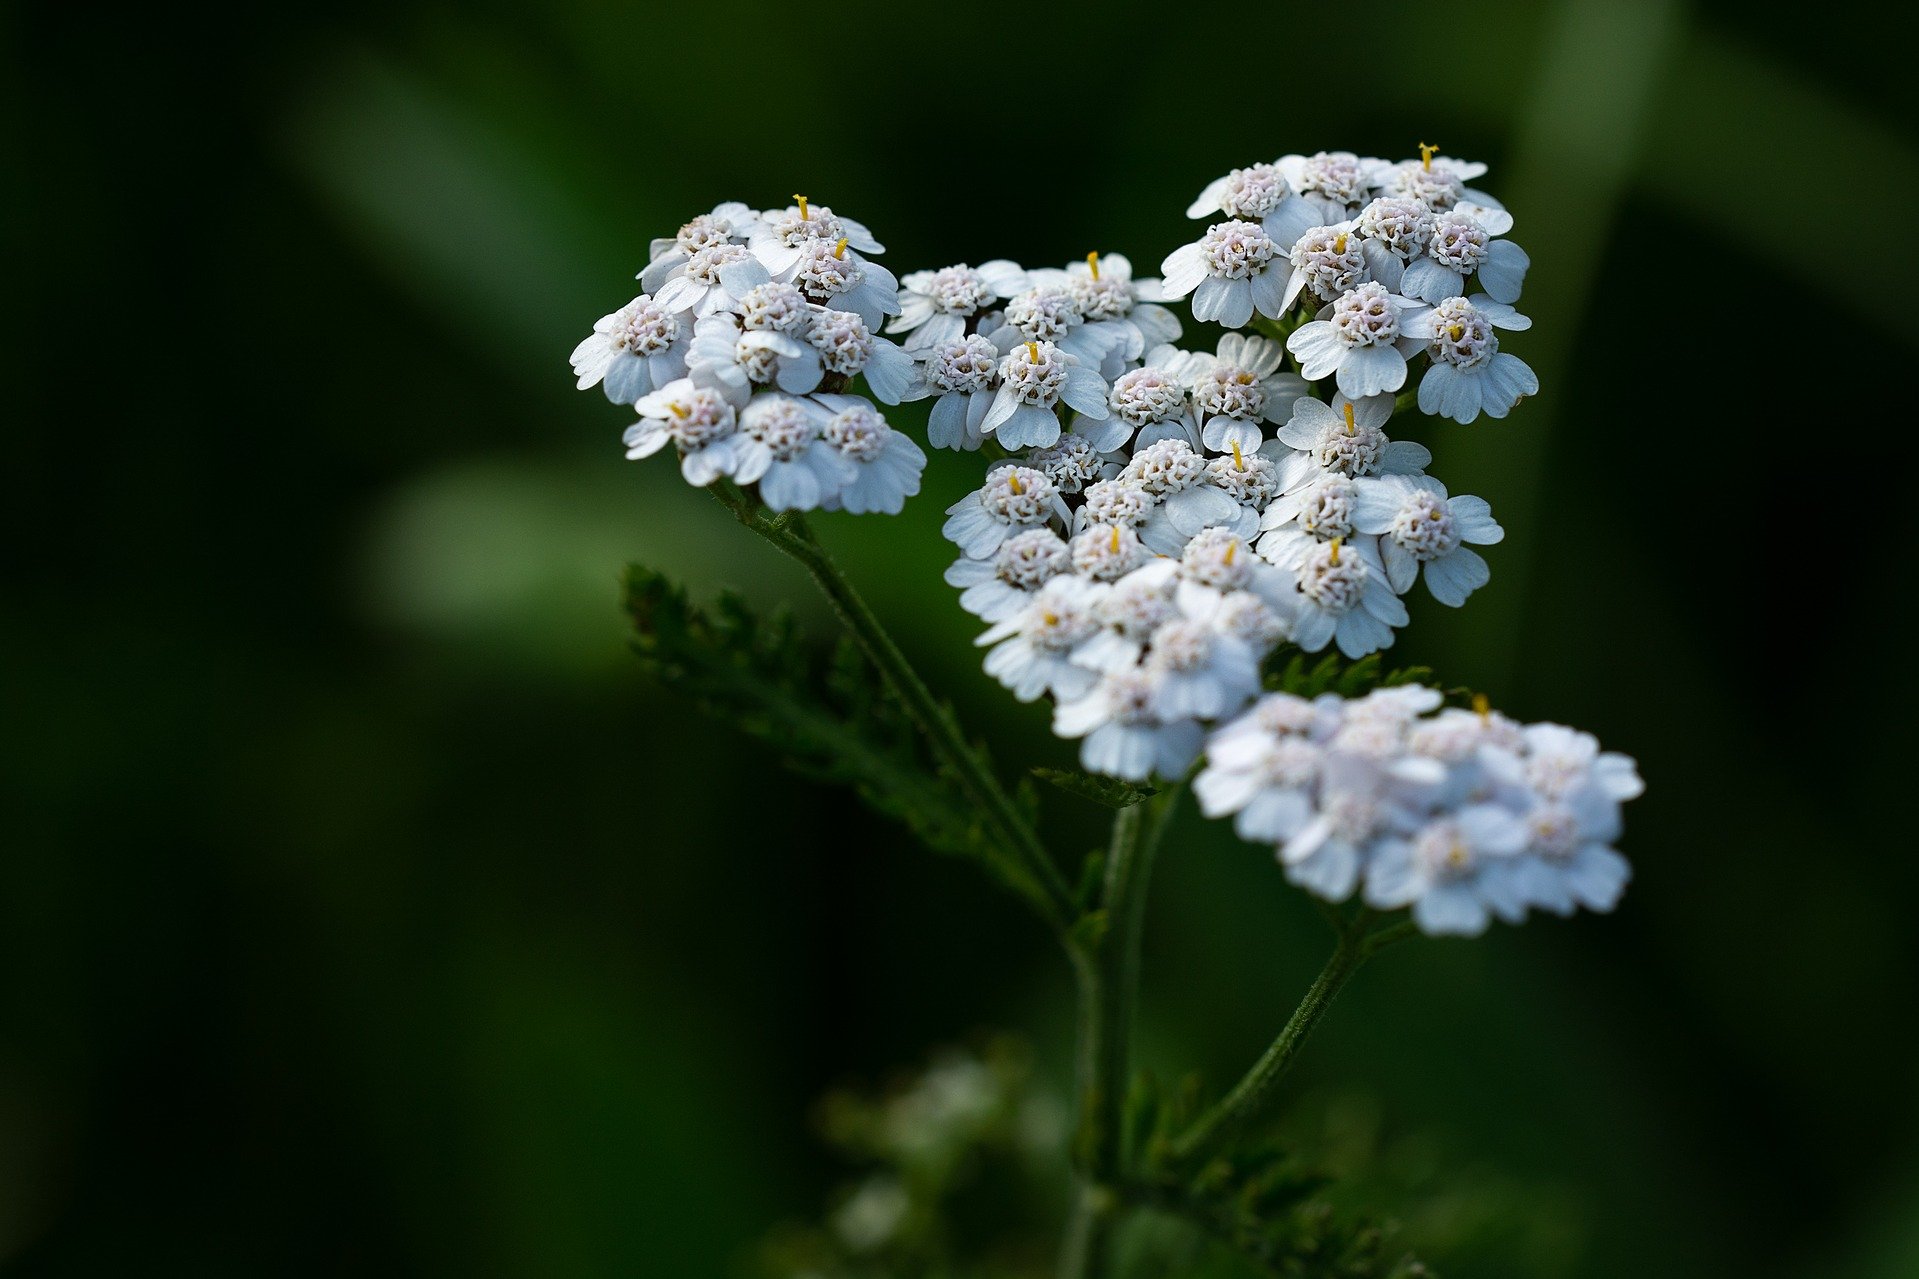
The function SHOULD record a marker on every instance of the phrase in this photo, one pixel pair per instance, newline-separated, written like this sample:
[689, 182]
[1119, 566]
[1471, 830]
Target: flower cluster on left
[741, 352]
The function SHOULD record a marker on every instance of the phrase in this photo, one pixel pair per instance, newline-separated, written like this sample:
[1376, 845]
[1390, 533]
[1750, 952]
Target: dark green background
[362, 908]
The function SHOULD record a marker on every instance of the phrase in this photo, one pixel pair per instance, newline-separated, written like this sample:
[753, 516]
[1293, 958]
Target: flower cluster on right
[1161, 520]
[1463, 815]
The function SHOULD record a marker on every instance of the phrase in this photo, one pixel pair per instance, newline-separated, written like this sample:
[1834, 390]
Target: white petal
[1371, 370]
[1182, 270]
[1318, 349]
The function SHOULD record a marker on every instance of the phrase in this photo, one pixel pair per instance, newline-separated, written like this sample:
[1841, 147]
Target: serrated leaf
[1359, 677]
[1109, 791]
[1407, 675]
[828, 714]
[1333, 674]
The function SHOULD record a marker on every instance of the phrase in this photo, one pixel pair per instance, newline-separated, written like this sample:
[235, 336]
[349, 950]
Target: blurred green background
[361, 907]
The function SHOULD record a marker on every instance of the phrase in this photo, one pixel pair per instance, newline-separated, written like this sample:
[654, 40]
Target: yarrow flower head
[699, 416]
[1035, 377]
[710, 279]
[1121, 312]
[783, 238]
[728, 224]
[1439, 182]
[1230, 272]
[1333, 183]
[935, 306]
[1393, 230]
[1420, 527]
[1326, 261]
[1461, 248]
[1347, 436]
[885, 463]
[1259, 193]
[753, 357]
[633, 352]
[1358, 339]
[1468, 374]
[996, 588]
[1238, 388]
[964, 375]
[1014, 498]
[784, 450]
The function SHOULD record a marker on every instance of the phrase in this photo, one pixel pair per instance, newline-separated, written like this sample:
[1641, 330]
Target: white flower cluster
[740, 351]
[1397, 260]
[1171, 516]
[1002, 348]
[1159, 521]
[1463, 815]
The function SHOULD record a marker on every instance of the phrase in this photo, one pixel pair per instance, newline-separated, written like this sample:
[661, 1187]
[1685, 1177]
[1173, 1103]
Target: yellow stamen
[1012, 482]
[1032, 353]
[1483, 705]
[801, 201]
[1239, 462]
[1350, 428]
[839, 250]
[1115, 539]
[1231, 547]
[1334, 561]
[1244, 378]
[1426, 154]
[678, 410]
[1339, 245]
[1092, 260]
[1051, 619]
[1456, 332]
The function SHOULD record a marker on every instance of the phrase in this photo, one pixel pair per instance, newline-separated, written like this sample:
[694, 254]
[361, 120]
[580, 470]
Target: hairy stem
[1106, 961]
[1044, 886]
[1250, 1095]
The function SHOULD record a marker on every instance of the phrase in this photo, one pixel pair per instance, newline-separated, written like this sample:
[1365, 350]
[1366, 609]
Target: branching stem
[1106, 960]
[1104, 943]
[1254, 1090]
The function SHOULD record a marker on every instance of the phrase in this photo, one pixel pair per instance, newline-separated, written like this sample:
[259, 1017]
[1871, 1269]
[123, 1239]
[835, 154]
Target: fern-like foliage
[1335, 674]
[1108, 792]
[1256, 1199]
[824, 709]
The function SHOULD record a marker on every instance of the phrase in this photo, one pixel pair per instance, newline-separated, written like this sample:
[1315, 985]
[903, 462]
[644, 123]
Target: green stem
[1089, 1232]
[1389, 935]
[1046, 888]
[1250, 1095]
[1107, 964]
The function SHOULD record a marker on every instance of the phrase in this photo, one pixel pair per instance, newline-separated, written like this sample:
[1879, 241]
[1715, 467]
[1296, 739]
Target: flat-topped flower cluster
[1463, 815]
[1158, 520]
[740, 351]
[1169, 517]
[1219, 496]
